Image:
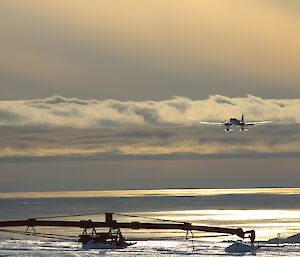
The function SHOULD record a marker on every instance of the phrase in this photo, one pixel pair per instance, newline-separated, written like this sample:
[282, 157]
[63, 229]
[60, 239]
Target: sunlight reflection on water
[267, 223]
[267, 220]
[155, 192]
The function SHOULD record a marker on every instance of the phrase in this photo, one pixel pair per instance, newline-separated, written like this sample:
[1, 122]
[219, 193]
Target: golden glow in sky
[242, 46]
[95, 81]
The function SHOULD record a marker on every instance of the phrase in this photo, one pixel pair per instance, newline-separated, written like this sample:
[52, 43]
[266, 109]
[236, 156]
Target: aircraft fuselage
[235, 121]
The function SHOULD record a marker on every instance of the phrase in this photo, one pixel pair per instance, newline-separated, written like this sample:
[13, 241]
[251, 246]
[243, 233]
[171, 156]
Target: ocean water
[271, 212]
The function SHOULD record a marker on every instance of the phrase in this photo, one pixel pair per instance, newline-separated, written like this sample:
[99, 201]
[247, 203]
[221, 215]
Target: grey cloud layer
[57, 111]
[193, 142]
[58, 128]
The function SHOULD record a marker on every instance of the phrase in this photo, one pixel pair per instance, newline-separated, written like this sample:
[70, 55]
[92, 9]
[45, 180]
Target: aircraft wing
[212, 123]
[257, 123]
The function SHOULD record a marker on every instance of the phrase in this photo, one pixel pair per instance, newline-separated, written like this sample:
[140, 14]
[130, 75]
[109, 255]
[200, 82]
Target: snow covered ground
[165, 248]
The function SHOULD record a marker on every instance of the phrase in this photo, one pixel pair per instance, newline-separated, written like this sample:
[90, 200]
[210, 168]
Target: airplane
[236, 122]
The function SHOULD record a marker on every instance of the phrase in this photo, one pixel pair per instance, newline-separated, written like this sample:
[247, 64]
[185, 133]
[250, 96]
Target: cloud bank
[58, 111]
[58, 128]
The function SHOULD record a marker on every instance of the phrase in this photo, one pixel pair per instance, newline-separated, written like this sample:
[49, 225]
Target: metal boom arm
[109, 222]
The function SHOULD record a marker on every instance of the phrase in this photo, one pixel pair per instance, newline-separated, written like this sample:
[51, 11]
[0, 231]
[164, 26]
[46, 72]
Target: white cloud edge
[58, 111]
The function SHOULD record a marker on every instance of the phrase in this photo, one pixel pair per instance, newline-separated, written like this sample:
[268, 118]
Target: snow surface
[239, 247]
[294, 239]
[165, 248]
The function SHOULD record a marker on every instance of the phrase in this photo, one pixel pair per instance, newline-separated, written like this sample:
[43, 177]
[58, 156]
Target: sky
[109, 94]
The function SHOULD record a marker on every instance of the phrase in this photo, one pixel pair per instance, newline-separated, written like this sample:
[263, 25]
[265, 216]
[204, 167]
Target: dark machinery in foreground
[114, 238]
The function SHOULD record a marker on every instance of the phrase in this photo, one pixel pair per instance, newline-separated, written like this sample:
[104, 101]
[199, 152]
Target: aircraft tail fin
[243, 118]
